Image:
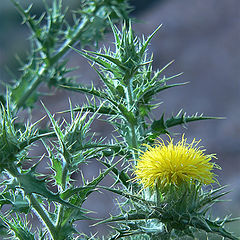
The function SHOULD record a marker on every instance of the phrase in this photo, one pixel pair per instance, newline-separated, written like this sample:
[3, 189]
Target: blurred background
[203, 37]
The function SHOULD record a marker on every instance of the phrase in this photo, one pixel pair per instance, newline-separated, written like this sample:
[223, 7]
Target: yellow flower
[174, 164]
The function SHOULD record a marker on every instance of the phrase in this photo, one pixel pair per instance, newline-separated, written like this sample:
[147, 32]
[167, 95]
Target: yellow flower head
[174, 164]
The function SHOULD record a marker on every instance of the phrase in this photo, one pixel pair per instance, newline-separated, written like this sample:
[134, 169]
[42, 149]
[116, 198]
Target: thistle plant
[162, 185]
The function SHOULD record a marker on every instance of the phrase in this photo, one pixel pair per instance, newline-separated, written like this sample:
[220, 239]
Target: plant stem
[134, 142]
[12, 169]
[64, 174]
[43, 215]
[34, 84]
[65, 46]
[130, 95]
[130, 102]
[64, 186]
[62, 50]
[36, 138]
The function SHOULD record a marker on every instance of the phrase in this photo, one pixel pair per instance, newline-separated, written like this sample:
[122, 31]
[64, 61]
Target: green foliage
[130, 86]
[126, 100]
[18, 228]
[51, 35]
[183, 211]
[161, 126]
[13, 142]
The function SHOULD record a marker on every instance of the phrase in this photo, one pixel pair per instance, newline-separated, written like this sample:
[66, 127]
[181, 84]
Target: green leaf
[56, 128]
[121, 176]
[107, 82]
[211, 227]
[109, 58]
[161, 126]
[13, 143]
[56, 166]
[30, 184]
[19, 202]
[211, 197]
[145, 43]
[22, 88]
[77, 196]
[178, 120]
[19, 227]
[91, 108]
[129, 115]
[128, 195]
[88, 188]
[91, 91]
[126, 217]
[97, 60]
[148, 93]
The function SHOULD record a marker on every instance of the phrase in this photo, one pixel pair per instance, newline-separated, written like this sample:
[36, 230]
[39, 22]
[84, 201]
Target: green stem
[33, 86]
[130, 102]
[64, 175]
[64, 186]
[65, 46]
[12, 169]
[43, 215]
[134, 142]
[59, 218]
[129, 95]
[36, 138]
[62, 50]
[30, 20]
